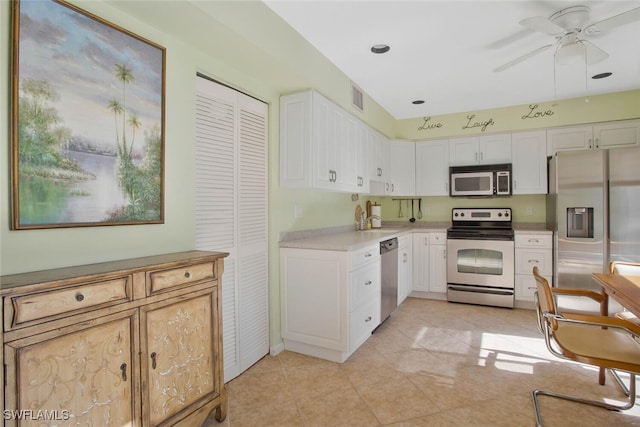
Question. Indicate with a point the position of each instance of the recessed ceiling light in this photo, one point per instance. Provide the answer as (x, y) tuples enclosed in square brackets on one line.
[(380, 48), (601, 76), (418, 102)]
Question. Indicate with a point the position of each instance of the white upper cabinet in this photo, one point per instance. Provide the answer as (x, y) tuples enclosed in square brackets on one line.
[(432, 168), (569, 138), (378, 146), (474, 150), (607, 135), (402, 162), (529, 157), (618, 134), (321, 145)]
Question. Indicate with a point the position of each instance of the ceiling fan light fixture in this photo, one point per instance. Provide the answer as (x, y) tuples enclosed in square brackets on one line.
[(380, 48), (570, 53)]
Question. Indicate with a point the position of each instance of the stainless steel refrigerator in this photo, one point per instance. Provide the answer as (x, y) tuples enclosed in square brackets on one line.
[(594, 208)]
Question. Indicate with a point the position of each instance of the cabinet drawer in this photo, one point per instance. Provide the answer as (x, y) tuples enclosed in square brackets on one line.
[(164, 280), (437, 238), (362, 322), (57, 302), (365, 285), (526, 259), (364, 255), (533, 240), (526, 286)]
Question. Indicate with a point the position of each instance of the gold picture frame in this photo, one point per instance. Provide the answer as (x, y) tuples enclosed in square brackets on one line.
[(88, 105)]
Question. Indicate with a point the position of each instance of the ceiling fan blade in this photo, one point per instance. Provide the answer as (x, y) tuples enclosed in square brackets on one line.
[(521, 58), (542, 25), (614, 21), (594, 53)]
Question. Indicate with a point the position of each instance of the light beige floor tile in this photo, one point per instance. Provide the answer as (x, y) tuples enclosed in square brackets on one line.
[(283, 414), (397, 401), (337, 409), (316, 380), (264, 387)]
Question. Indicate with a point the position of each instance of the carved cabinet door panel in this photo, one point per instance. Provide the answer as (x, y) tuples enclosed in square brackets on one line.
[(178, 355), (75, 377)]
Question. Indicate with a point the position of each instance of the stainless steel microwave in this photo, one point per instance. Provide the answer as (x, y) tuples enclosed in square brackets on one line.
[(480, 180)]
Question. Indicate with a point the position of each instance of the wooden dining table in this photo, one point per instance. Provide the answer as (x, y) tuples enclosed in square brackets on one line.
[(625, 290)]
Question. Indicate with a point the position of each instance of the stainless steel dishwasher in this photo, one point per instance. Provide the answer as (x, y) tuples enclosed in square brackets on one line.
[(389, 277)]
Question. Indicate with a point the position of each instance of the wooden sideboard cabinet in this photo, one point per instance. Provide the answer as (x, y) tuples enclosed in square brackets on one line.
[(132, 342)]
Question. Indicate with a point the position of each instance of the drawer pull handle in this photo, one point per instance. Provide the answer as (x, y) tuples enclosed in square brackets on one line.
[(368, 319), (533, 240), (534, 260), (367, 283), (79, 297), (367, 255), (153, 360), (123, 368), (187, 275)]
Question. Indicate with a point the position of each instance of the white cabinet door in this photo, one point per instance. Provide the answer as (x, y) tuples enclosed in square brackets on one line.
[(494, 149), (405, 267), (463, 151), (486, 149), (618, 134), (438, 268), (402, 157), (421, 262), (569, 138), (529, 152), (432, 168)]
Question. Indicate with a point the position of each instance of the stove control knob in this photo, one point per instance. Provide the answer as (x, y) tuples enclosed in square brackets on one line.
[(499, 214), (506, 214), (456, 214)]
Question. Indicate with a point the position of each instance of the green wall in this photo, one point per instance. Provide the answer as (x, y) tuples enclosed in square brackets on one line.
[(242, 44)]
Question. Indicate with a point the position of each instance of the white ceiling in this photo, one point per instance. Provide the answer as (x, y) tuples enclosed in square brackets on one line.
[(444, 52)]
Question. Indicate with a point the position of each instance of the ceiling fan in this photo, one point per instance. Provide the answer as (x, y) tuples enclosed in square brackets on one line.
[(568, 26)]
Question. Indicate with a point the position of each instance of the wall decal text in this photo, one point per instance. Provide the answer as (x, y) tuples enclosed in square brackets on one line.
[(532, 114), (482, 125), (427, 126)]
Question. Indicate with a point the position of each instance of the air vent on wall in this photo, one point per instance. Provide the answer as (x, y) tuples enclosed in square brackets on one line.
[(357, 97)]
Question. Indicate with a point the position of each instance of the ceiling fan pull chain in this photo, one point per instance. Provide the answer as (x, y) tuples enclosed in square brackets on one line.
[(586, 74)]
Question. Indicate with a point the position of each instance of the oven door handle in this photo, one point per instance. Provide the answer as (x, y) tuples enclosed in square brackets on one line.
[(479, 290)]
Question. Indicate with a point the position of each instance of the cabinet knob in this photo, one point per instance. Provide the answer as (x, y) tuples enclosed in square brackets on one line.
[(79, 297), (368, 319), (367, 283), (187, 274), (368, 254), (153, 360), (123, 369)]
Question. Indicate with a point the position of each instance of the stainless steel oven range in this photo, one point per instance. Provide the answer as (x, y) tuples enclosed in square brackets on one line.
[(480, 257)]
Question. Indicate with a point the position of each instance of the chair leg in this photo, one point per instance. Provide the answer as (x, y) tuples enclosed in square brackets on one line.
[(622, 385), (628, 405)]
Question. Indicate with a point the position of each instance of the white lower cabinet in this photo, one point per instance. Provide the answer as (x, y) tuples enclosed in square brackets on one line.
[(405, 267), (330, 300), (532, 250), (430, 262)]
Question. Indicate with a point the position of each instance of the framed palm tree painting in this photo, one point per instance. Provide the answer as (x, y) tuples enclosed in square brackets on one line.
[(87, 122)]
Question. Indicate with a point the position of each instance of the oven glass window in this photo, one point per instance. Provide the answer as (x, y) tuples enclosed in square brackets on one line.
[(480, 261)]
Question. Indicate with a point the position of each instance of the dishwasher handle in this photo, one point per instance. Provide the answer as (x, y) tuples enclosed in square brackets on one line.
[(388, 245)]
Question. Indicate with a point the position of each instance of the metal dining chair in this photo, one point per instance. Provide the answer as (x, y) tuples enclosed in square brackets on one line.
[(604, 342)]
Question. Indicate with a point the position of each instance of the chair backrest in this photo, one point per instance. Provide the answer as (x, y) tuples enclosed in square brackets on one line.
[(623, 267), (546, 303)]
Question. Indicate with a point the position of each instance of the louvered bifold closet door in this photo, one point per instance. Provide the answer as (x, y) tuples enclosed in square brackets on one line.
[(252, 231), (231, 214)]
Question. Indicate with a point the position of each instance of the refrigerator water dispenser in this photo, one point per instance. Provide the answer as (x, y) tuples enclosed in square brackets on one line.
[(580, 222)]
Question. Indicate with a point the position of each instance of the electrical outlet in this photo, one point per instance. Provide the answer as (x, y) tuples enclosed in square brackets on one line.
[(529, 211), (297, 212)]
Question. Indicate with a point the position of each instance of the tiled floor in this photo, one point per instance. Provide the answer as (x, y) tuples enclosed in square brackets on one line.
[(432, 363)]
